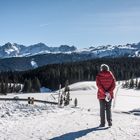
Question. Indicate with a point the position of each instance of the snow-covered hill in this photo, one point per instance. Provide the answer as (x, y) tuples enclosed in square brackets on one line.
[(45, 122), (16, 50)]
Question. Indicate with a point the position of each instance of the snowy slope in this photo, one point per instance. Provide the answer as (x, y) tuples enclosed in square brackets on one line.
[(46, 122), (34, 64)]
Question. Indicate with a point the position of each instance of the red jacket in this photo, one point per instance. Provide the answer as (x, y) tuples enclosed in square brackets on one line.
[(106, 83)]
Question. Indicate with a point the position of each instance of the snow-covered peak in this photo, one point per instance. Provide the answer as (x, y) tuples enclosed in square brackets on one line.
[(10, 47), (9, 50)]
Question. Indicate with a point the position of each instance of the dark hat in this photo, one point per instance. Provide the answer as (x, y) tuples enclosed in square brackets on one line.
[(104, 67)]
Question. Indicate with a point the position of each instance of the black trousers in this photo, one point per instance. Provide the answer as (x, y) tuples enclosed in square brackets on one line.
[(105, 107)]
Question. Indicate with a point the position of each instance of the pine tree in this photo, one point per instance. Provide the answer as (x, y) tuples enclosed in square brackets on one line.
[(131, 83), (13, 87), (68, 98), (17, 88), (138, 87), (2, 87), (126, 84), (36, 85), (136, 83), (27, 86), (10, 88), (6, 87)]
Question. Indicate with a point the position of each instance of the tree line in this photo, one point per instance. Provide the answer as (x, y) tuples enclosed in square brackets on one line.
[(51, 76), (6, 87), (29, 86)]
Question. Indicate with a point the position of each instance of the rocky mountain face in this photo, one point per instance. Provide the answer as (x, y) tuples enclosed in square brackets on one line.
[(15, 50)]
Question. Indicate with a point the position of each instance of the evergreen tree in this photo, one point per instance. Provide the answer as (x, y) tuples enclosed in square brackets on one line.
[(13, 87), (27, 86), (131, 83), (136, 83), (2, 88), (6, 87), (36, 85), (10, 88), (67, 100), (138, 87), (126, 84), (17, 88)]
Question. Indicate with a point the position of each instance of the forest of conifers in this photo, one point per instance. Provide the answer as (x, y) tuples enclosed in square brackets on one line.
[(51, 76)]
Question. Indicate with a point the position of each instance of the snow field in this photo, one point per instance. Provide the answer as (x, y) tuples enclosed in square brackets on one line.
[(18, 120)]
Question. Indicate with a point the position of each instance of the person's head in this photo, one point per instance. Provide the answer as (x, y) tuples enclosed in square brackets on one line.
[(104, 67)]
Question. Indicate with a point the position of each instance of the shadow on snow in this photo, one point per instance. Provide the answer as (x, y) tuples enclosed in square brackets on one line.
[(78, 134), (135, 112)]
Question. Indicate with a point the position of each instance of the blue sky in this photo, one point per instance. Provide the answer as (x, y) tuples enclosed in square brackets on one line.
[(82, 23)]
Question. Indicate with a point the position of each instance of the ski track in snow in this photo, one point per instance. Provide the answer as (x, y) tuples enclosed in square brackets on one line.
[(19, 121)]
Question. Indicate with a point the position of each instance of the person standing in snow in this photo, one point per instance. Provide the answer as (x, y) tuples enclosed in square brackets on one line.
[(105, 82)]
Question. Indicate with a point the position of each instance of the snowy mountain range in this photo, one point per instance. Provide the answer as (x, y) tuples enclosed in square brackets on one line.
[(15, 50), (17, 57)]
